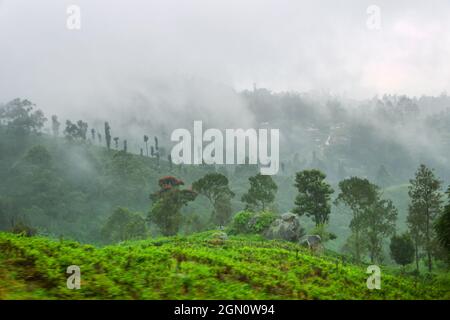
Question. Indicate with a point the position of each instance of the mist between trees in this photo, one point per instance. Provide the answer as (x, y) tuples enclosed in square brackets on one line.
[(86, 183)]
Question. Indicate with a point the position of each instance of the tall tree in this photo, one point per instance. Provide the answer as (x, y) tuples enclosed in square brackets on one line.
[(214, 186), (20, 117), (146, 143), (156, 144), (124, 225), (157, 158), (75, 131), (359, 195), (379, 223), (261, 193), (442, 228), (402, 249), (313, 199), (167, 202), (108, 135), (93, 134), (82, 128), (425, 206), (55, 125), (169, 158)]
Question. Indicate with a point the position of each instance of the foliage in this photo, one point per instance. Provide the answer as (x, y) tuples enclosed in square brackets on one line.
[(314, 196), (442, 227), (55, 125), (379, 223), (261, 221), (21, 118), (402, 249), (76, 131), (214, 186), (425, 206), (108, 135), (248, 222), (168, 201), (325, 235), (241, 221), (22, 228), (261, 193), (124, 225), (39, 156), (192, 268), (373, 217)]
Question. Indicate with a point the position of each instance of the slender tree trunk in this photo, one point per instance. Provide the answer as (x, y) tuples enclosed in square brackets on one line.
[(357, 246), (372, 253), (430, 261), (416, 248)]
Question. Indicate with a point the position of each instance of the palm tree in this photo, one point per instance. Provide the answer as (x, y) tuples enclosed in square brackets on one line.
[(146, 143)]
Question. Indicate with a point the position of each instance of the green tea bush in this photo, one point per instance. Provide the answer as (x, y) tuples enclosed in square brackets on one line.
[(247, 222), (23, 229), (244, 267), (240, 222), (261, 221)]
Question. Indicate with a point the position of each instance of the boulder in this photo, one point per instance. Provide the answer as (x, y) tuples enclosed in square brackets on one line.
[(313, 242), (286, 227)]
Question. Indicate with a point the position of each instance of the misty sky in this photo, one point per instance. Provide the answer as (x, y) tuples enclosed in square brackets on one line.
[(131, 49)]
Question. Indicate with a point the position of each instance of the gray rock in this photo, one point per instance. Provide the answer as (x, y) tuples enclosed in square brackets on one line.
[(286, 227), (311, 241)]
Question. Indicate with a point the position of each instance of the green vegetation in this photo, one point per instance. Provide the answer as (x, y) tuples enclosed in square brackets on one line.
[(261, 193), (124, 225), (402, 249), (214, 186), (192, 267), (248, 222), (81, 188), (373, 217), (168, 201), (314, 196), (442, 227), (425, 207)]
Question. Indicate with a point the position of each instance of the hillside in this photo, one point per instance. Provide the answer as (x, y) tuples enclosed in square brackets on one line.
[(195, 267), (69, 189)]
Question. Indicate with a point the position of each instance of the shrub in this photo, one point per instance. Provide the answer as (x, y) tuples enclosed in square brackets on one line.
[(402, 249), (252, 222), (124, 225), (261, 221), (240, 222), (23, 229)]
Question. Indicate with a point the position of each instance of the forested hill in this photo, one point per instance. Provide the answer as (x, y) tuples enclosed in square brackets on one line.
[(90, 188), (70, 188)]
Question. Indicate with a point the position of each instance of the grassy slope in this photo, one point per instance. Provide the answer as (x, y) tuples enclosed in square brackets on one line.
[(191, 267)]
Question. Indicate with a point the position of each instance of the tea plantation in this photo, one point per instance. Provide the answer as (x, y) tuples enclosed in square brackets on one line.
[(200, 266)]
